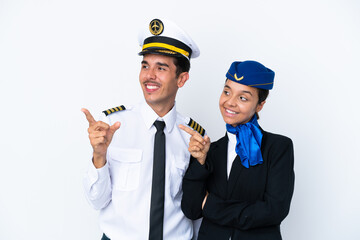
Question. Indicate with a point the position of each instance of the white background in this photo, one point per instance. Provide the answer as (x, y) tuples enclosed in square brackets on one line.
[(59, 56)]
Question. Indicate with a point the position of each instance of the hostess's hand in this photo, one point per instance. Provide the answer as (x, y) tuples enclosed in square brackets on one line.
[(204, 201), (198, 146), (100, 135)]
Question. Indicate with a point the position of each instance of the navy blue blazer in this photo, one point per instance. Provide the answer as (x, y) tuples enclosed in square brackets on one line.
[(251, 204)]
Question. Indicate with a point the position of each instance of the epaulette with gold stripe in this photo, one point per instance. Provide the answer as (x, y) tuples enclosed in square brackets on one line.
[(115, 109), (194, 125)]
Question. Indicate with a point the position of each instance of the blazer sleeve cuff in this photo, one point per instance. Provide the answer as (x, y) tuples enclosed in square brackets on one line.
[(196, 171)]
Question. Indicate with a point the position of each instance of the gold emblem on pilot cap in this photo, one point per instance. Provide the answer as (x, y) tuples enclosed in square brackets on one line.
[(156, 27)]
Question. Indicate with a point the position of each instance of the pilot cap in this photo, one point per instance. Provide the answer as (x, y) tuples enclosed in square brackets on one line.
[(166, 38)]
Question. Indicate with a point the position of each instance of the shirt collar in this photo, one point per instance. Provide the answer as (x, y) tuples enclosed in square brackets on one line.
[(150, 116), (232, 137)]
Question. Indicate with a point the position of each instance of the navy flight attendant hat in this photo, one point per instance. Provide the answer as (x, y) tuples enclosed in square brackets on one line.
[(252, 74), (166, 38)]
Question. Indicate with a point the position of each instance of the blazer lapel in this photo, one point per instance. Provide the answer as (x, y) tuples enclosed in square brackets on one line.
[(220, 166), (234, 175)]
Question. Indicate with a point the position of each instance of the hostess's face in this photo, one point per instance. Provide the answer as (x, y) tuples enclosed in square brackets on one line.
[(158, 80), (238, 103)]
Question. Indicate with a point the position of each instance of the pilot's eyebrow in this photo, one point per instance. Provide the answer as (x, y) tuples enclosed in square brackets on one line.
[(162, 64)]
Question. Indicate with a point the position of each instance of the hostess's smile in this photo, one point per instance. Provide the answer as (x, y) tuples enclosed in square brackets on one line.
[(230, 113)]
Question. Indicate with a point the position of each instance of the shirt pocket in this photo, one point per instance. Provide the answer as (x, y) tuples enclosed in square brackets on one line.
[(179, 165), (125, 167)]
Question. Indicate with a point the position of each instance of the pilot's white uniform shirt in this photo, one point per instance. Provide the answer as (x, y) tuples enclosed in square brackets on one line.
[(121, 190)]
